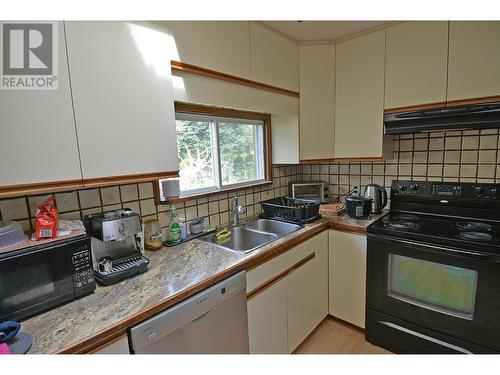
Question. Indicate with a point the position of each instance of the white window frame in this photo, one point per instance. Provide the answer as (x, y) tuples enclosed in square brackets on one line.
[(259, 142)]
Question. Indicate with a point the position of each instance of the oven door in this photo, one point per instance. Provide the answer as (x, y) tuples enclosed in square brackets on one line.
[(449, 291), (33, 280)]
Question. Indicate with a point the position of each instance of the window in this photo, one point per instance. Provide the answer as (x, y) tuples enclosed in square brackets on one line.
[(222, 150)]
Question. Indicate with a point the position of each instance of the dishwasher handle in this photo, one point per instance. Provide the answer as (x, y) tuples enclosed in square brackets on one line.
[(188, 311)]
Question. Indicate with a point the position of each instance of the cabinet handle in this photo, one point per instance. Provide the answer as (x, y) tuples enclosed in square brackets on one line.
[(279, 276)]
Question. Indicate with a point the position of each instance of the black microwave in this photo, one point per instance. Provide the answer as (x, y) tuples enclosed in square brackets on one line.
[(37, 278)]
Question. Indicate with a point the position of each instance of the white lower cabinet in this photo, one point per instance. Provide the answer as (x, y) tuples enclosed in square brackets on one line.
[(119, 346), (307, 288), (347, 276), (288, 297)]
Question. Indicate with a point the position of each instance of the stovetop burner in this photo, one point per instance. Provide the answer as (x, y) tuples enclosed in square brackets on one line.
[(473, 226), (475, 236), (402, 225)]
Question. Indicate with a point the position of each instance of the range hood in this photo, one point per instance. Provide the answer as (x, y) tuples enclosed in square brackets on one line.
[(476, 116)]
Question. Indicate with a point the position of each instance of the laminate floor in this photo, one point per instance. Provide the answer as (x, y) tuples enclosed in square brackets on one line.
[(335, 337)]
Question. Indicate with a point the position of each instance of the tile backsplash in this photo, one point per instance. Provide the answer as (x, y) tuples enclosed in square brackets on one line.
[(467, 156), (140, 198)]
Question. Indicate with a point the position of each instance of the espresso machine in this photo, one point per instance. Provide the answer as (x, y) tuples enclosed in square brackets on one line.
[(116, 243)]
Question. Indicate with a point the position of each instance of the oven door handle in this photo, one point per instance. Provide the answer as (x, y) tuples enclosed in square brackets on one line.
[(450, 250)]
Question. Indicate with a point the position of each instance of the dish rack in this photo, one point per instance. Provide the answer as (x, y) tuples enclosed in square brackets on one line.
[(291, 209)]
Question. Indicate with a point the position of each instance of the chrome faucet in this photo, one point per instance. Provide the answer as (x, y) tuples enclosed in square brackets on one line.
[(236, 211)]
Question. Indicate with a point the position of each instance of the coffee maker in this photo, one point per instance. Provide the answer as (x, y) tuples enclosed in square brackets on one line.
[(116, 245)]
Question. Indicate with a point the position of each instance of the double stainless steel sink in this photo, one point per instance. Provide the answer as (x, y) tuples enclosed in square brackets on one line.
[(252, 235)]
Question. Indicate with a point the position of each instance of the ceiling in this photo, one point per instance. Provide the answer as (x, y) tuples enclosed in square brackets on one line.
[(305, 31)]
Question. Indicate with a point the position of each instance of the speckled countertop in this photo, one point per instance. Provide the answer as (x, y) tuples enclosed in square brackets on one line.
[(175, 274)]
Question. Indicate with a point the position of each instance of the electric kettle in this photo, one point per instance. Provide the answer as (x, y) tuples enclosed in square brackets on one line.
[(378, 196)]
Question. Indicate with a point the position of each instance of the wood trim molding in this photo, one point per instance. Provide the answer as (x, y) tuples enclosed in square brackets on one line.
[(39, 188), (279, 276), (315, 161), (451, 103), (337, 160), (131, 178), (195, 69)]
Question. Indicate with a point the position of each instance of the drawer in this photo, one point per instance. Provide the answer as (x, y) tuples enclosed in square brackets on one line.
[(306, 248), (265, 272)]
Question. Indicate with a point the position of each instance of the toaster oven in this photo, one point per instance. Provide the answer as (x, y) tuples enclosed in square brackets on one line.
[(312, 190)]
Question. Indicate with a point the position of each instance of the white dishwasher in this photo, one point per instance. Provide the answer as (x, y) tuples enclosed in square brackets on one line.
[(214, 321)]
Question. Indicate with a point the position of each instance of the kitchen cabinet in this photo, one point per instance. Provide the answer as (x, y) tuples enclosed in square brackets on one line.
[(347, 276), (317, 101), (474, 58), (267, 310), (220, 46), (274, 58), (285, 139), (119, 346), (288, 297), (122, 95), (307, 288), (416, 64), (359, 97), (38, 141)]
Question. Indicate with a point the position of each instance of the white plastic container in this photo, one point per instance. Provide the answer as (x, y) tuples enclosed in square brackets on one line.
[(11, 233)]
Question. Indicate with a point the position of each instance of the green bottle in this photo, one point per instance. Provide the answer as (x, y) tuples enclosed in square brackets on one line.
[(175, 229)]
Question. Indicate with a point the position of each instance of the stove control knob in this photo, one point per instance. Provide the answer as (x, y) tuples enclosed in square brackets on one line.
[(479, 189), (123, 229), (403, 187), (414, 187)]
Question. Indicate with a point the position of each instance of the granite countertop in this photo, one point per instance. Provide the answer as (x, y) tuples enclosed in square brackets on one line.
[(175, 274)]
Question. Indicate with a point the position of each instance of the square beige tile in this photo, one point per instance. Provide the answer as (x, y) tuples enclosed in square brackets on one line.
[(404, 170), (405, 157), (147, 207), (129, 193), (34, 203), (213, 207), (146, 190), (487, 156), (470, 143), (451, 170), (468, 170), (334, 179), (488, 142), (325, 168), (437, 134), (14, 209), (191, 202), (91, 211), (435, 170), (89, 198), (436, 156), (202, 200), (191, 212), (214, 220), (469, 157), (421, 144), (334, 168), (355, 169), (134, 206), (406, 145), (67, 201), (452, 157), (366, 169), (436, 144), (379, 180), (112, 207), (453, 143), (486, 171), (420, 157), (203, 210), (110, 195), (344, 169), (73, 215), (366, 180), (165, 219), (391, 170), (419, 170), (378, 169), (453, 133)]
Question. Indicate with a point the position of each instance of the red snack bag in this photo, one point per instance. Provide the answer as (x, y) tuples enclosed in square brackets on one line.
[(47, 220)]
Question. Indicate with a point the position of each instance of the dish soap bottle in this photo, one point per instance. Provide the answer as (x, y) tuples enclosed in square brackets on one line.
[(175, 229)]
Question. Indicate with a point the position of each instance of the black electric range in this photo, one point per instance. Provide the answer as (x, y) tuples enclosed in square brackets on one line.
[(433, 269)]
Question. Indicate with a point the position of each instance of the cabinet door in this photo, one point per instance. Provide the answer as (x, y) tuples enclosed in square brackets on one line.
[(307, 288), (359, 97), (317, 102), (38, 137), (274, 58), (122, 94), (474, 60), (119, 346), (416, 64), (220, 46), (347, 271), (267, 308), (285, 139)]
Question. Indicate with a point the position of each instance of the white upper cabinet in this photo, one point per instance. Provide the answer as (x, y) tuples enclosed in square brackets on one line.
[(359, 97), (220, 46), (38, 139), (123, 99), (274, 58), (474, 67), (285, 139), (317, 102), (416, 64)]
